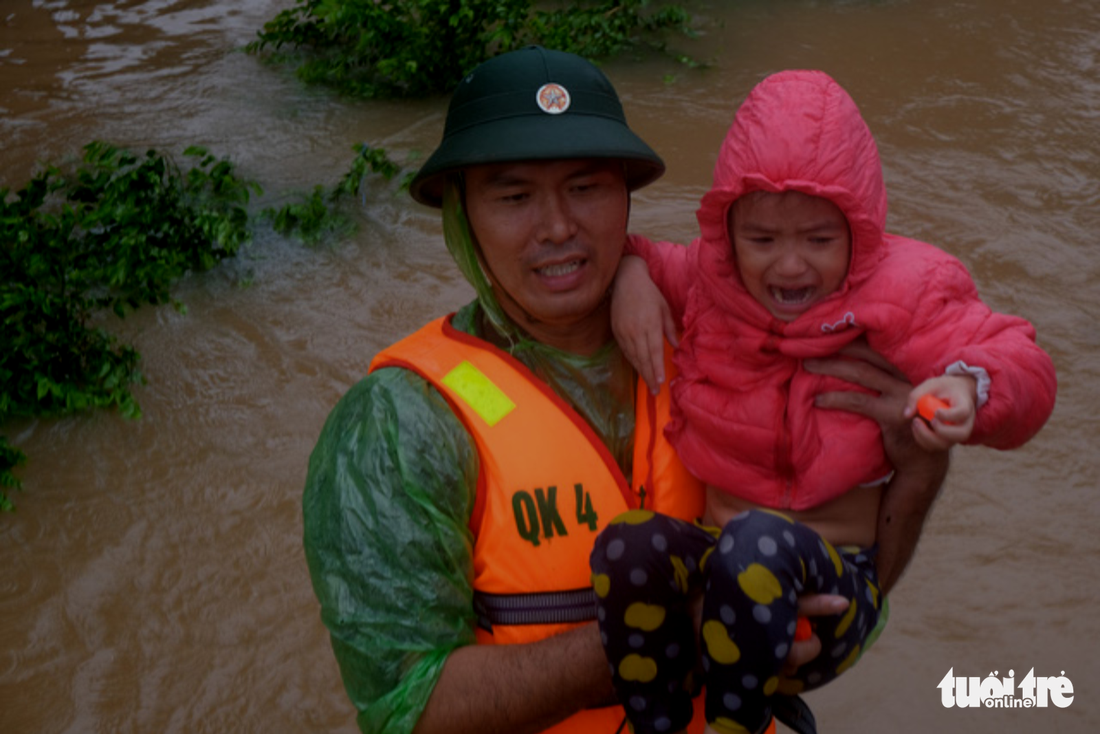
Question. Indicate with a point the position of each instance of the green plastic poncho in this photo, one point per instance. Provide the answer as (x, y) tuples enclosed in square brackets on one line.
[(388, 497)]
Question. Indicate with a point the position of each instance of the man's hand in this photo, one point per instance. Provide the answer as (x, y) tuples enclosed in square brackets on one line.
[(918, 474), (812, 605), (887, 406)]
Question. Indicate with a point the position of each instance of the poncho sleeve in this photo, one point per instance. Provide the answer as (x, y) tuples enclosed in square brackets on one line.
[(388, 495)]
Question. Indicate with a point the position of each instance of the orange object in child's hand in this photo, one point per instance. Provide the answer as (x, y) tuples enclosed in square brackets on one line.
[(928, 405), (803, 630)]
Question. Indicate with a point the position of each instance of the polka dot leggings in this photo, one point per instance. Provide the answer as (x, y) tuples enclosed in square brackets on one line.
[(645, 569)]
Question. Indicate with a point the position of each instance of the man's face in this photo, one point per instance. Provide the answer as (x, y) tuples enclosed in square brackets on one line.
[(551, 234), (792, 249)]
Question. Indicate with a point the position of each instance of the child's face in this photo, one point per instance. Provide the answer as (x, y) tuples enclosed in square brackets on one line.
[(792, 249)]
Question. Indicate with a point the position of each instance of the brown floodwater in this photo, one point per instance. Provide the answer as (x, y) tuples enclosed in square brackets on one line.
[(153, 576)]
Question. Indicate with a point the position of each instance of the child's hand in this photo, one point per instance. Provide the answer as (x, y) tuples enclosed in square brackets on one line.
[(641, 319), (954, 421)]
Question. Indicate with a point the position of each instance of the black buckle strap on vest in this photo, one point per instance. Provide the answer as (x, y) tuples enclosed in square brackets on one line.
[(548, 607)]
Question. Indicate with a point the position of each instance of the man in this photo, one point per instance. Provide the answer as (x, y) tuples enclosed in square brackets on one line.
[(454, 494)]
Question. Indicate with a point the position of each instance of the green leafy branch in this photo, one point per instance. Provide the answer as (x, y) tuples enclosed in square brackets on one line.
[(414, 48), (112, 235), (318, 215)]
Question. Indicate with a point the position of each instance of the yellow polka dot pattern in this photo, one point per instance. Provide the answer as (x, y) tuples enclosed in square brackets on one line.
[(770, 686), (719, 645), (763, 601), (835, 557), (846, 620), (680, 573), (874, 594), (722, 725), (706, 556), (759, 584), (601, 582), (791, 686), (645, 617), (636, 668), (849, 661), (777, 514), (633, 517)]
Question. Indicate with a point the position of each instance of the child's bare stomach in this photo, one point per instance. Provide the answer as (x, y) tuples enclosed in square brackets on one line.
[(850, 519)]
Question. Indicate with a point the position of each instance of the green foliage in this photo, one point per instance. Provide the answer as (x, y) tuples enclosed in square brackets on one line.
[(310, 219), (608, 28), (318, 216), (110, 236), (367, 160), (408, 48), (10, 457)]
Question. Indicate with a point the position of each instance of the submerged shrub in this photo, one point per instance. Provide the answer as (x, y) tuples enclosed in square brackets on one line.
[(317, 215), (411, 48), (110, 236)]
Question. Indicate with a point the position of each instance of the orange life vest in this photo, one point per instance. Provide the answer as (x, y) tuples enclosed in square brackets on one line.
[(547, 486)]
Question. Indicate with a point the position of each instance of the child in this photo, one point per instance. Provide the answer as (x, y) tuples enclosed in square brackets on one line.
[(792, 263)]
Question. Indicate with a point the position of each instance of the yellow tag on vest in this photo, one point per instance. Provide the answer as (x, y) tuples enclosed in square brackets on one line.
[(479, 392)]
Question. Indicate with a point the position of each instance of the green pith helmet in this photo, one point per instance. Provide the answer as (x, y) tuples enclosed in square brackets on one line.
[(534, 104)]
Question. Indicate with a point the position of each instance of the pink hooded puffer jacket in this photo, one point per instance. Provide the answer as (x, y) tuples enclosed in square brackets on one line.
[(744, 418)]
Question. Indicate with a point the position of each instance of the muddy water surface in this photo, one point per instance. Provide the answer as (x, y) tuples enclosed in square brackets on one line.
[(153, 576)]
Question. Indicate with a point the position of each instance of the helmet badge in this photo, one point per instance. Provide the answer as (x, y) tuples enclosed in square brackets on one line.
[(553, 99)]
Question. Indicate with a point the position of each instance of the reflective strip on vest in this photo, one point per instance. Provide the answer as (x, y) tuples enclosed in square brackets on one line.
[(553, 607), (479, 392)]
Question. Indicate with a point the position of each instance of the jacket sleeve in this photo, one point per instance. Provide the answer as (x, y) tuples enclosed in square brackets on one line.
[(671, 266), (953, 331), (388, 496)]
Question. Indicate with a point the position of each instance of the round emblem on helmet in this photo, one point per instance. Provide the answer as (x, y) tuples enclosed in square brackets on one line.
[(553, 99)]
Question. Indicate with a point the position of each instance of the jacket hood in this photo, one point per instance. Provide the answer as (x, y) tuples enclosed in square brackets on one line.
[(796, 131)]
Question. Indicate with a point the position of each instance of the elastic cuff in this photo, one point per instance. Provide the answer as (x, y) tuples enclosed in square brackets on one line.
[(978, 373)]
